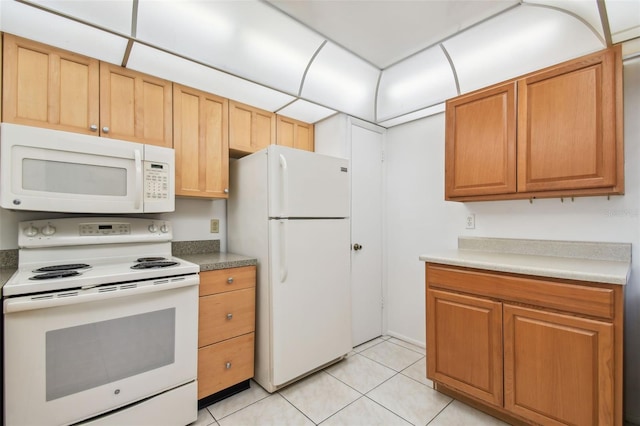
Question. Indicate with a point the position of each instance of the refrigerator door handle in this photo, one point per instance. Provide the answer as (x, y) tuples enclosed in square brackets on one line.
[(284, 193), (284, 267)]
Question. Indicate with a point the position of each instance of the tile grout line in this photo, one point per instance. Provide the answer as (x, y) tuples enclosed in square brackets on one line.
[(299, 410), (440, 412)]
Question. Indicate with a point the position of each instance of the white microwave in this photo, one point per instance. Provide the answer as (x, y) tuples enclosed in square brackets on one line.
[(51, 170)]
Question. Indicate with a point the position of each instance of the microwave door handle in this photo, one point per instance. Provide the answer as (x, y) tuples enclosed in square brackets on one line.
[(138, 160)]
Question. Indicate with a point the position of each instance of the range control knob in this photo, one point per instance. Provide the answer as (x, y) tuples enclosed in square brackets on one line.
[(153, 228), (164, 229), (30, 231), (48, 230)]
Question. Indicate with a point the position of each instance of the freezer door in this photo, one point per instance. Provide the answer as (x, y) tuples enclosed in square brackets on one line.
[(311, 295), (307, 184)]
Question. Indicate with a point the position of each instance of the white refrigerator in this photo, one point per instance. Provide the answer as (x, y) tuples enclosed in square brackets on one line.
[(290, 209)]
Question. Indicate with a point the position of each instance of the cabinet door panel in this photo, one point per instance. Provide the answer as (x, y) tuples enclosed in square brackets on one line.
[(135, 106), (294, 133), (49, 87), (566, 127), (558, 368), (464, 344), (250, 129), (201, 143), (481, 143)]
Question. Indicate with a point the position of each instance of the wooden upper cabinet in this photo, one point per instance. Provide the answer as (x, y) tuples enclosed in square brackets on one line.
[(201, 143), (250, 129), (552, 133), (135, 106), (567, 126), (481, 143), (294, 133), (49, 87)]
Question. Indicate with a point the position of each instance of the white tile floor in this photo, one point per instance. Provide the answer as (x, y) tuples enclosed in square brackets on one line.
[(381, 382)]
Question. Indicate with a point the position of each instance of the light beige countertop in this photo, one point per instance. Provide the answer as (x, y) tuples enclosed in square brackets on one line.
[(584, 261)]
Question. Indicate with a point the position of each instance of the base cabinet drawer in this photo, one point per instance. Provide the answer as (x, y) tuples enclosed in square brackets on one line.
[(222, 280), (224, 364), (226, 315)]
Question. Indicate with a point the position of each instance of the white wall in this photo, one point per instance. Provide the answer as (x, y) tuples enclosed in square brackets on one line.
[(419, 220), (190, 220)]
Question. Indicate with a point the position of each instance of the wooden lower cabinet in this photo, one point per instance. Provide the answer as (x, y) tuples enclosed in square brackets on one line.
[(527, 349), (467, 337), (224, 364), (558, 369), (226, 329)]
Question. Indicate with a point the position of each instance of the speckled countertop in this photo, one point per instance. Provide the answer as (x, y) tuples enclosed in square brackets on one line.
[(584, 261), (207, 254), (212, 261), (8, 264)]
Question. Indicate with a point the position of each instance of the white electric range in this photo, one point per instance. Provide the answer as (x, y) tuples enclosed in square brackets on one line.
[(100, 325)]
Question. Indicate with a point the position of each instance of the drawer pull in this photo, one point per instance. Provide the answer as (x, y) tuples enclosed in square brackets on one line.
[(229, 316), (230, 280), (227, 365)]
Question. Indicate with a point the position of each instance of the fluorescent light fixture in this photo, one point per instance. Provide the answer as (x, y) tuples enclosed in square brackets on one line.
[(306, 111), (421, 80), (35, 24), (538, 37), (585, 10), (174, 68), (416, 115), (340, 80), (114, 15), (624, 19), (246, 38)]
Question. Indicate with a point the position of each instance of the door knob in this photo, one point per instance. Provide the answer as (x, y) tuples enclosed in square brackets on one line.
[(357, 247)]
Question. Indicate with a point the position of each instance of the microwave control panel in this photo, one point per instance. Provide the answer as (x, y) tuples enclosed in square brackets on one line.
[(156, 181)]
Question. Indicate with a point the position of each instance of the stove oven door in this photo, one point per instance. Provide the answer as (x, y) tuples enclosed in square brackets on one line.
[(74, 355)]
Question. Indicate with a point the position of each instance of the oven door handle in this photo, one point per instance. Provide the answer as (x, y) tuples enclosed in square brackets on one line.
[(105, 292)]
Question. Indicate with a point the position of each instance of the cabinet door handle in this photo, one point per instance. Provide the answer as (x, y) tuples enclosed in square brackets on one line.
[(227, 365), (229, 316), (93, 128), (230, 280), (105, 129)]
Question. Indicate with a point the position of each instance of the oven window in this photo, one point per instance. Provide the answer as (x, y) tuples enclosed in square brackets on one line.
[(73, 178), (86, 356)]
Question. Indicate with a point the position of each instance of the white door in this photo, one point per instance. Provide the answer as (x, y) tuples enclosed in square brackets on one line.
[(310, 295), (366, 233)]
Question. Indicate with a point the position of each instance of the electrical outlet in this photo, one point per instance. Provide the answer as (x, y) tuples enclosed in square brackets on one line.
[(215, 226), (471, 221)]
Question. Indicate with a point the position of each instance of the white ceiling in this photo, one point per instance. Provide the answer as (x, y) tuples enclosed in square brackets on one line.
[(384, 32), (383, 61)]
